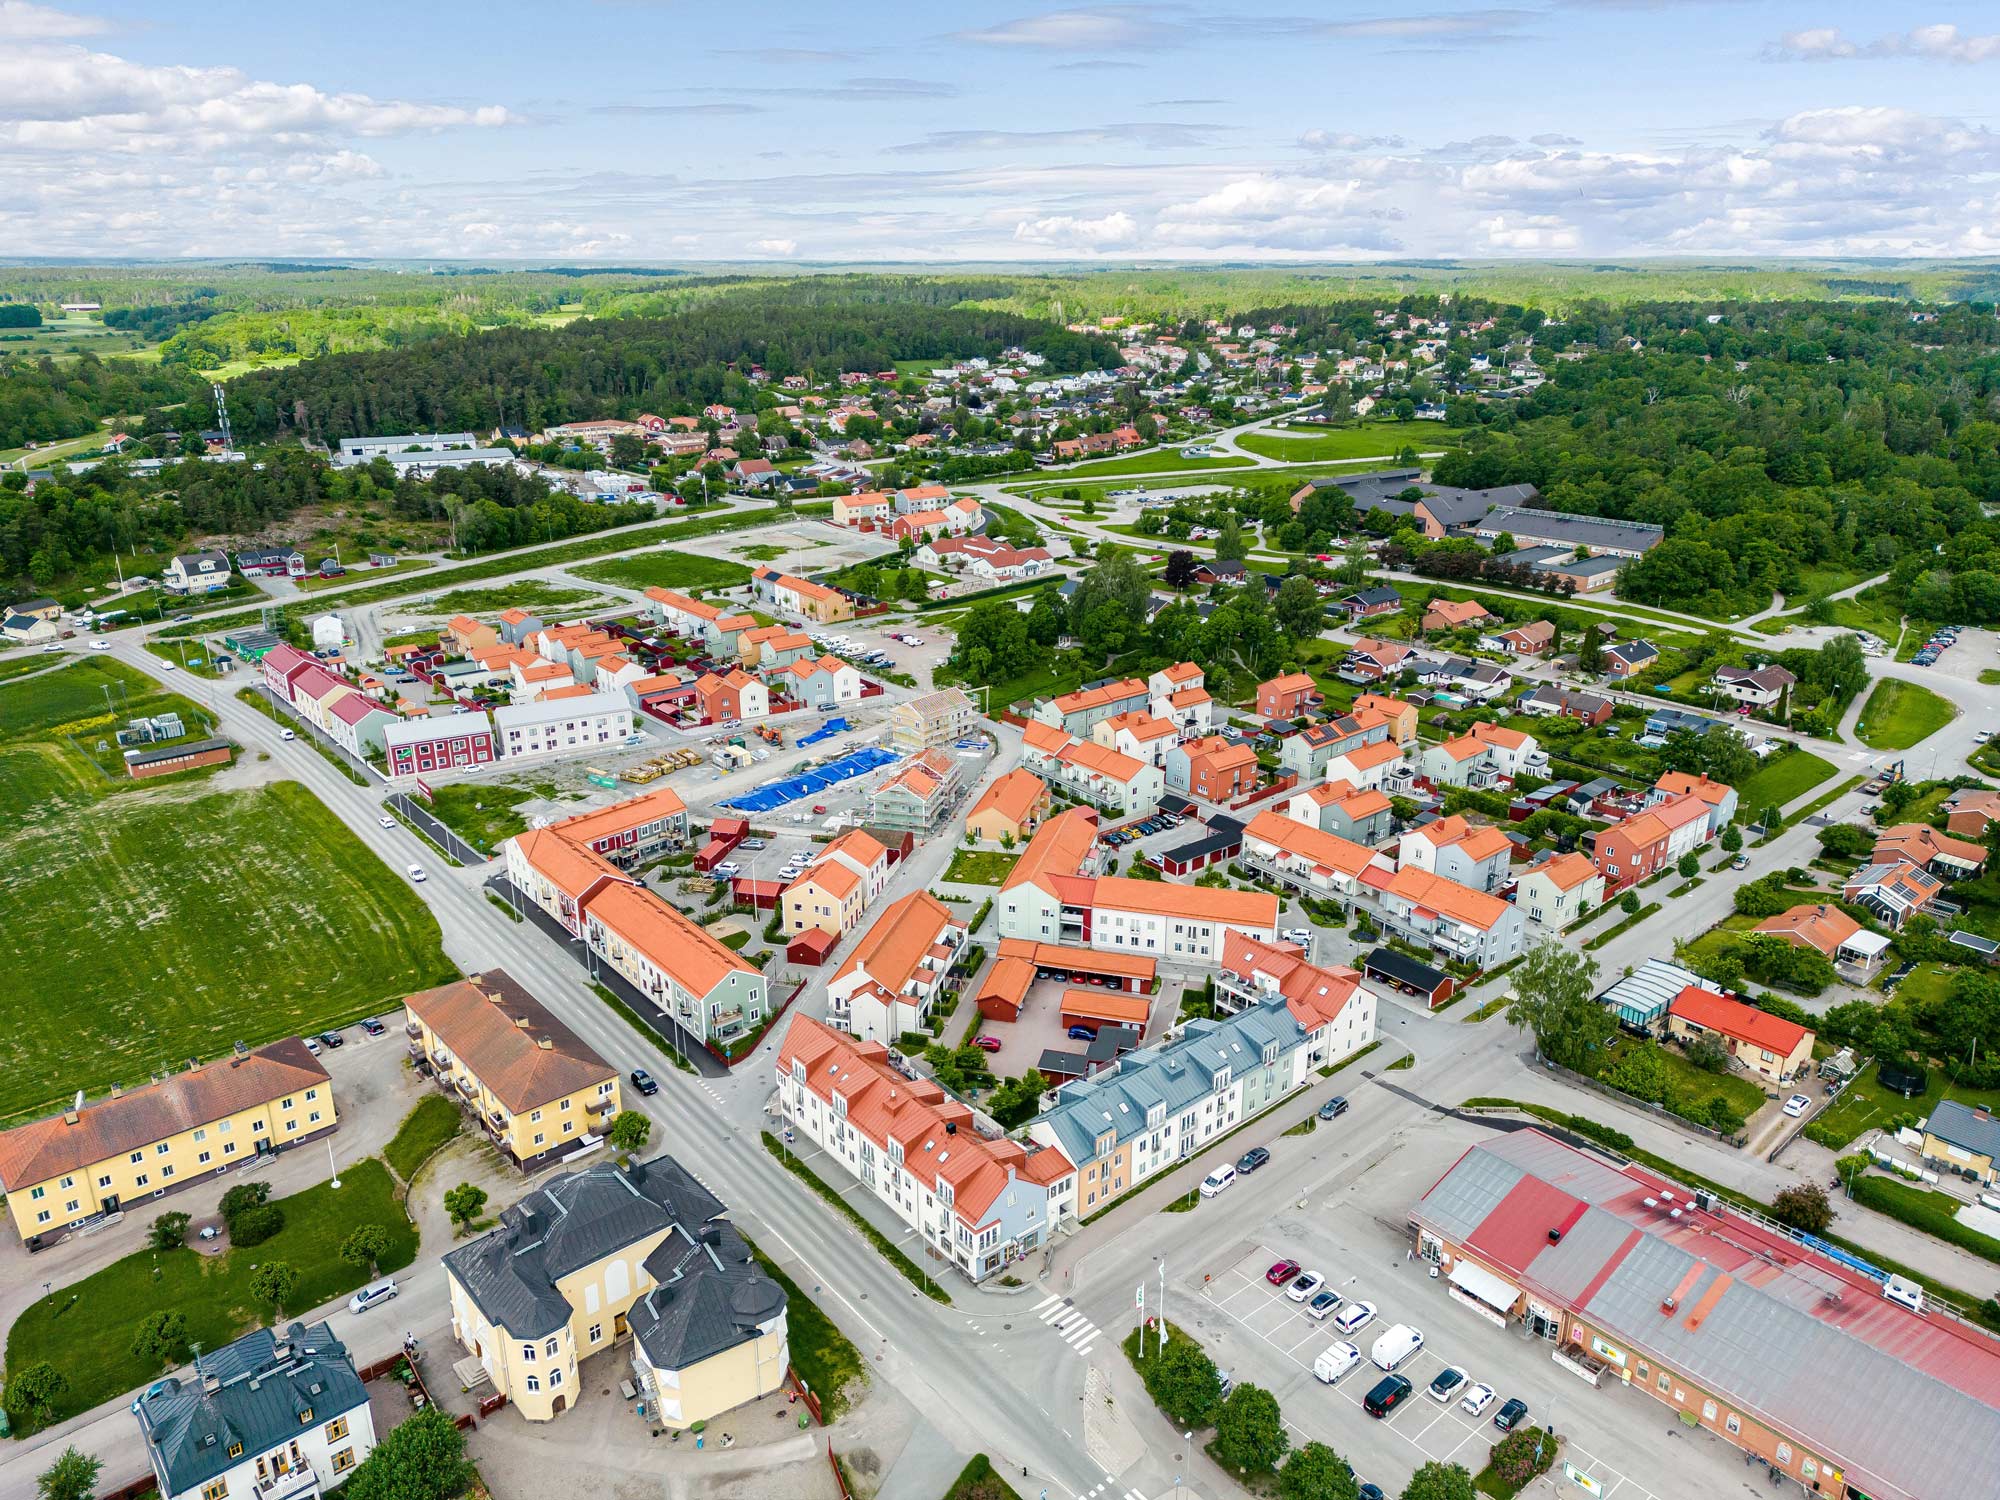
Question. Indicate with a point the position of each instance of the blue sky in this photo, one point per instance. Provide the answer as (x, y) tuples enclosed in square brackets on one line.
[(650, 130)]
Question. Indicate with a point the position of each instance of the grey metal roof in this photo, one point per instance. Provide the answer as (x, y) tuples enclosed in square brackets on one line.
[(252, 1395), (1963, 1126), (1651, 989), (571, 1222), (1571, 530)]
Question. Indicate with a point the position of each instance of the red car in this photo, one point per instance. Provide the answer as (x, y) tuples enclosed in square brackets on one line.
[(1282, 1272), (819, 807), (987, 1043)]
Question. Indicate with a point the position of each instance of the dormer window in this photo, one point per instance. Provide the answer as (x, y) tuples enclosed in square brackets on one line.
[(305, 1416), (235, 1450)]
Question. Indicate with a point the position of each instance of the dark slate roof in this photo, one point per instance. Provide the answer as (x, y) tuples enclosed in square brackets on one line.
[(175, 752), (1965, 1127), (711, 1296), (1383, 595), (571, 1222), (1404, 969), (256, 1393)]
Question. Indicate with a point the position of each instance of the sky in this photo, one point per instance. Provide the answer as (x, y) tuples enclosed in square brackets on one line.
[(644, 131)]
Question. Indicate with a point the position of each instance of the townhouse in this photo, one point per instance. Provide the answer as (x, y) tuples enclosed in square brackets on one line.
[(1009, 810), (801, 596), (314, 693), (1401, 717), (837, 887), (358, 725), (770, 647), (1339, 807), (1772, 1048), (1733, 1325), (534, 1087), (737, 697), (1211, 769), (1179, 695), (1091, 773), (136, 1144), (1655, 840), (1048, 898), (822, 682), (1080, 712), (623, 1254), (271, 562), (1376, 767), (979, 1203), (278, 1414), (1152, 1109), (1139, 735), (1306, 753), (916, 795), (281, 667), (629, 833), (897, 970), (443, 742), (1450, 919), (1301, 856), (679, 966), (463, 636), (1560, 890), (717, 629), (869, 506), (1718, 797), (554, 725), (930, 720), (1474, 855)]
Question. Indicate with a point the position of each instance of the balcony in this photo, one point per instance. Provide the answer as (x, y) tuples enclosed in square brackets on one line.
[(300, 1484), (466, 1086), (413, 1028)]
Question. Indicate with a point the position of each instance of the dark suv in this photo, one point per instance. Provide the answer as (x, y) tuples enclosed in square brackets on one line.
[(1389, 1393), (1252, 1159)]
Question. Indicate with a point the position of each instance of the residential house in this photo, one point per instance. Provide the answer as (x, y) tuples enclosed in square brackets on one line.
[(1454, 614), (1175, 679), (196, 573), (917, 794), (1301, 856), (1474, 855), (772, 647), (1717, 796), (1401, 717), (1451, 919), (1560, 890), (1080, 712), (1893, 891), (28, 629), (1374, 661), (1970, 812), (930, 720), (1306, 753), (636, 831), (558, 726), (897, 969), (1152, 1109), (1772, 1048), (358, 724), (1760, 687), (464, 636), (1138, 735), (1211, 769), (1549, 700), (1365, 604), (1339, 807), (801, 596), (1852, 949), (679, 966), (517, 625), (1942, 855), (837, 887), (1010, 810), (1480, 681), (620, 1251), (868, 506), (1287, 697), (824, 682), (1964, 1136), (537, 1089), (136, 1144), (1655, 840), (1532, 638), (278, 1414), (1190, 710), (1376, 767), (985, 559), (737, 697), (444, 742), (980, 1204), (271, 562), (314, 693), (1629, 658)]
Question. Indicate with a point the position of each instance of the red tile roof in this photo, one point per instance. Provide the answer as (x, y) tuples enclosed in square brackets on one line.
[(1733, 1018)]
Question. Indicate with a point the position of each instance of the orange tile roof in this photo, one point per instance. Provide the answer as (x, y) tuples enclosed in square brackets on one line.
[(604, 822), (896, 943), (683, 603), (858, 845), (1389, 707), (1684, 783), (464, 625), (571, 868), (1119, 1006), (1097, 697), (1290, 682), (1495, 734), (1046, 738), (1141, 725), (1181, 671), (1367, 757), (727, 623), (1733, 1018), (509, 1040), (1199, 903), (543, 672), (1189, 697), (1456, 611), (1013, 796), (1448, 898), (1059, 847), (1103, 761), (33, 1153), (1314, 995), (835, 878), (1465, 747), (1920, 844), (1566, 871), (571, 690), (1308, 842), (667, 938), (1813, 926)]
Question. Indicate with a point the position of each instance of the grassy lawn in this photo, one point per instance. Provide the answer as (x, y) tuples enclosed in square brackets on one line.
[(312, 583), (1899, 714), (526, 593), (668, 570), (1779, 780), (86, 1328), (980, 866), (978, 1481), (1866, 1105), (211, 917), (481, 814), (1365, 440), (434, 1121), (1168, 462)]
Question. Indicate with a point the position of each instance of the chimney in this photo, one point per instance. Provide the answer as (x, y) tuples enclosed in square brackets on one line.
[(1556, 1236), (69, 1117), (1668, 1304), (117, 1092)]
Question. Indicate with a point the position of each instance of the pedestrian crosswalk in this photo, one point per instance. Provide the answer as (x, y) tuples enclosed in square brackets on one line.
[(1107, 1489), (1071, 1326)]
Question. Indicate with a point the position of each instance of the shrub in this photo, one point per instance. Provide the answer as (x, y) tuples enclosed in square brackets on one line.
[(255, 1225), (1512, 1460), (1803, 1206), (169, 1231)]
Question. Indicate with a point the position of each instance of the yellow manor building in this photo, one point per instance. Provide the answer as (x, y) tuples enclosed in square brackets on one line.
[(536, 1087), (620, 1253), (142, 1143)]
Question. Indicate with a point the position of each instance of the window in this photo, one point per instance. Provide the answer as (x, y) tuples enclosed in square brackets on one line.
[(284, 1104), (136, 1156), (42, 1217), (1733, 1423), (215, 1489), (202, 1159), (336, 1429), (235, 1450), (305, 1417), (229, 1148), (311, 1094), (1663, 1382), (1784, 1455), (539, 1137), (166, 1171), (596, 1333), (535, 1116), (555, 1379), (70, 1181), (141, 1180), (1708, 1411), (104, 1181), (528, 1353), (256, 1126), (70, 1207), (551, 1347), (36, 1194), (343, 1460), (291, 1124), (534, 1383)]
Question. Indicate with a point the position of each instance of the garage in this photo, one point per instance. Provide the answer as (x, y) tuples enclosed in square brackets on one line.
[(1099, 1008)]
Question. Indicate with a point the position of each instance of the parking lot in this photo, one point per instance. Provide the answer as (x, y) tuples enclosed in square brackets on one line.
[(1040, 1026)]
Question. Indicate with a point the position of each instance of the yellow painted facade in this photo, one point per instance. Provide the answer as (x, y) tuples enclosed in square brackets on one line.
[(547, 1127), (805, 903)]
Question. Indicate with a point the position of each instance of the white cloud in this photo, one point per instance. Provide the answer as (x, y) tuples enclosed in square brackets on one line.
[(1529, 234), (1107, 28), (21, 21), (1939, 43), (779, 249), (1066, 231), (1347, 140)]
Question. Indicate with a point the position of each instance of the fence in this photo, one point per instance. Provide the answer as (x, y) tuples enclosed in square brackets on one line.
[(1657, 1111)]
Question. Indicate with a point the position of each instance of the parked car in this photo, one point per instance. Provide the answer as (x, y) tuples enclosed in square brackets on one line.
[(333, 1039), (1797, 1105), (1447, 1383), (1511, 1415), (1741, 862), (1334, 1108), (1282, 1272), (987, 1043), (286, 734), (1324, 1304), (416, 873), (372, 1026), (1080, 1034), (100, 645), (1305, 1286), (1477, 1399), (729, 867), (1252, 1159), (312, 1045), (645, 1082), (1389, 1393), (1355, 1317), (1217, 1181), (369, 1296)]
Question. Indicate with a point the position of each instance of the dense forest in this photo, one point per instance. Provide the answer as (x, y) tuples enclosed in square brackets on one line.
[(43, 399), (620, 367)]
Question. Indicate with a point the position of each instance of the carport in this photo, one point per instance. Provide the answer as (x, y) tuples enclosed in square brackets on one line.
[(1132, 972), (1100, 1008), (1433, 986)]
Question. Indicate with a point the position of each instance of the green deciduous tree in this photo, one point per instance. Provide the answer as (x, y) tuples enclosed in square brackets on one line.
[(1440, 1481), (1250, 1431), (169, 1231), (1803, 1206), (1688, 865), (630, 1131), (1554, 997), (422, 1458), (1183, 1381), (465, 1203), (73, 1476), (161, 1337), (273, 1282), (1316, 1472), (365, 1245), (34, 1394)]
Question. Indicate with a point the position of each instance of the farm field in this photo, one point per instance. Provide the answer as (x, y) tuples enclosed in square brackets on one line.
[(131, 954)]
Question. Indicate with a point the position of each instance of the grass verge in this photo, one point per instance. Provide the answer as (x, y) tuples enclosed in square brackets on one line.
[(979, 1481), (422, 1135), (1630, 922), (911, 1271), (1899, 714), (828, 1363)]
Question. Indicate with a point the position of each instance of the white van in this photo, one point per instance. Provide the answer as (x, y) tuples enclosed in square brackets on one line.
[(1217, 1180), (1335, 1361), (1396, 1346), (368, 1296)]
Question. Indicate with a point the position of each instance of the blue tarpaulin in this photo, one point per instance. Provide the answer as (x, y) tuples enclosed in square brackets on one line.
[(825, 731), (778, 793)]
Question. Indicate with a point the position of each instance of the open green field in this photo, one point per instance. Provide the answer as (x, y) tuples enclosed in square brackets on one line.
[(85, 1329), (1900, 714), (312, 583), (1779, 781), (147, 923), (668, 569), (1166, 462), (1364, 440), (525, 593), (482, 814)]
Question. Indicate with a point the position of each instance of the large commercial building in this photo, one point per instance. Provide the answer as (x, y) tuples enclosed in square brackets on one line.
[(630, 1254), (1729, 1322)]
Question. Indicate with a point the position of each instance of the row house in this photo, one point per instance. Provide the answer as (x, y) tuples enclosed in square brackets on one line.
[(636, 831), (1302, 857), (737, 697), (359, 724), (1139, 735), (870, 507), (930, 720), (1339, 807), (1306, 753), (1487, 755), (844, 879), (1212, 769), (1190, 710), (897, 970), (1560, 890), (1376, 767), (675, 963), (1010, 809), (1473, 855), (822, 681), (771, 647), (555, 725), (981, 1204), (1651, 841), (1092, 773), (462, 635), (801, 596), (1080, 712), (441, 742), (1718, 797), (1401, 717)]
